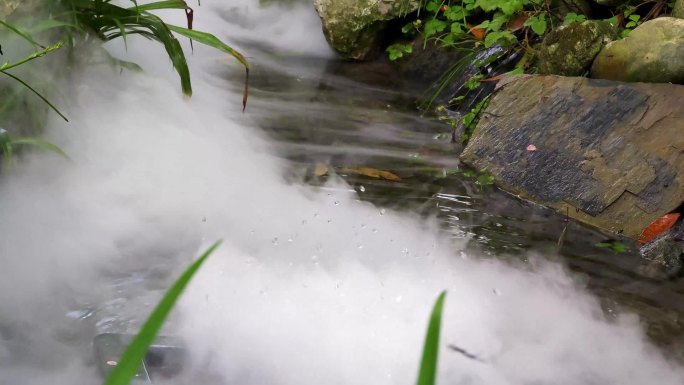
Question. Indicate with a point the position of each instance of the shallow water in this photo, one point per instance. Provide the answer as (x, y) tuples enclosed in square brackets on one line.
[(352, 115), (317, 280)]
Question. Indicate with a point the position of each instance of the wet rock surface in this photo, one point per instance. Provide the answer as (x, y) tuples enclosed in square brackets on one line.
[(606, 153), (570, 49), (352, 27), (653, 52)]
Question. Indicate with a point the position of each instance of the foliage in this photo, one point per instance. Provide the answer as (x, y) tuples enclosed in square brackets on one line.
[(397, 51), (510, 22), (130, 360), (77, 21), (108, 21), (482, 180), (452, 21), (427, 373), (8, 144), (572, 17), (471, 118), (616, 247)]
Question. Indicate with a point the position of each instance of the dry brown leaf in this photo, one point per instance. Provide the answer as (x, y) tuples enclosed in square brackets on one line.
[(320, 169), (371, 172)]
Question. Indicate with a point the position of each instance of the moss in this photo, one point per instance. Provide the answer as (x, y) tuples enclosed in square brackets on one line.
[(569, 50)]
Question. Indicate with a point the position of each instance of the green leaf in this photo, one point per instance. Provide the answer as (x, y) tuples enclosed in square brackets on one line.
[(22, 34), (572, 17), (537, 23), (210, 40), (43, 98), (613, 21), (171, 4), (34, 55), (502, 37), (511, 7), (130, 360), (428, 363), (213, 41), (485, 180), (45, 145), (397, 51), (433, 26), (488, 5), (433, 6)]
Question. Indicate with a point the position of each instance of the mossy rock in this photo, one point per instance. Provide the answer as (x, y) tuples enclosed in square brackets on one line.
[(678, 10), (353, 27), (570, 49), (652, 53)]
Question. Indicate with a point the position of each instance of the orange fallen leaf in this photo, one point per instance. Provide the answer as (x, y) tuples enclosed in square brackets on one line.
[(658, 227), (371, 172), (479, 33)]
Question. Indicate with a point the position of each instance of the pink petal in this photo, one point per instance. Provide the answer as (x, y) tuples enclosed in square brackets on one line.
[(531, 147)]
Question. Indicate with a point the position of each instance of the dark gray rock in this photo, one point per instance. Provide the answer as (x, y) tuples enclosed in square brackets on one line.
[(609, 154), (570, 49)]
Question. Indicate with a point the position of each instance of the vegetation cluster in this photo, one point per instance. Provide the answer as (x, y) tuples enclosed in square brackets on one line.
[(72, 25)]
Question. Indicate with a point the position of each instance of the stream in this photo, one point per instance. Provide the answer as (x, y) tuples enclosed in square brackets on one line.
[(327, 272)]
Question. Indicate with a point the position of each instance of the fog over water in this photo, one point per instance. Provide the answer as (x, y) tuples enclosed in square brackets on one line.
[(310, 286)]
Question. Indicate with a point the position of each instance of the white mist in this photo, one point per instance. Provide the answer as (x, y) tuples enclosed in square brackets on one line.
[(309, 286)]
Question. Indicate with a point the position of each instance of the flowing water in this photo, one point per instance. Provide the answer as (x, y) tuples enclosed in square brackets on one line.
[(325, 275)]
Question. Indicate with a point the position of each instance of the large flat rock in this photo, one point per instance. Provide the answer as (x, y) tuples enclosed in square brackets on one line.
[(607, 153)]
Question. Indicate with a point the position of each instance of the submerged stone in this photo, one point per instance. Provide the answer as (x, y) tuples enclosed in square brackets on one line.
[(570, 49), (653, 52), (607, 153), (352, 27)]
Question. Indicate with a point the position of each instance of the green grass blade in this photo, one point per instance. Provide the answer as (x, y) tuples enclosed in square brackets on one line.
[(428, 363), (130, 360), (170, 4), (37, 93), (33, 56), (210, 40), (45, 145), (38, 26), (21, 33), (213, 41)]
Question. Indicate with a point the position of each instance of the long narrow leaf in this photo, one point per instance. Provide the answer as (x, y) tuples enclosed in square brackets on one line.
[(213, 41), (37, 93), (45, 145), (130, 360), (170, 4), (33, 56), (428, 362), (23, 34), (210, 40)]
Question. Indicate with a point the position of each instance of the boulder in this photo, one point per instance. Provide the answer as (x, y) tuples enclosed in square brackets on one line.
[(609, 154), (653, 52), (678, 10), (570, 49), (352, 27)]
